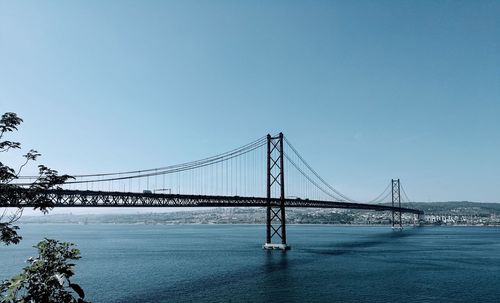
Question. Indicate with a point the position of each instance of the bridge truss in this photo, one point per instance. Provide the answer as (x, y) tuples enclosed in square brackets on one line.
[(84, 198)]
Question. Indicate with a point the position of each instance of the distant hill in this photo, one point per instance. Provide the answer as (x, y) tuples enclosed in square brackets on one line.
[(456, 207), (489, 212)]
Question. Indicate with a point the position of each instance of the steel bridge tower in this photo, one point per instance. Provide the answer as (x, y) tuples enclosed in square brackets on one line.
[(397, 221), (275, 213)]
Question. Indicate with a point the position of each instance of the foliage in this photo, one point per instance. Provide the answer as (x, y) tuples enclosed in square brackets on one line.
[(47, 277), (12, 194)]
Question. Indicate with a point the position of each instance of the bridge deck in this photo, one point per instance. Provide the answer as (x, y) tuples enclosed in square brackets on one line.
[(79, 198)]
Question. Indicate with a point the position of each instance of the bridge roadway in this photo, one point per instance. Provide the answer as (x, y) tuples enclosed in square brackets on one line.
[(84, 198)]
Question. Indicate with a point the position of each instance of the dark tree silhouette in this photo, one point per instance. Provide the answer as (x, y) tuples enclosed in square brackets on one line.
[(47, 277), (11, 194)]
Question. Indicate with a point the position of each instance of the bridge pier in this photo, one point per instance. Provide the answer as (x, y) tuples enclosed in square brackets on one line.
[(421, 219), (275, 213), (397, 219)]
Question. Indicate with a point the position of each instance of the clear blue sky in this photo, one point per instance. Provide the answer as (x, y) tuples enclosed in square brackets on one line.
[(366, 90)]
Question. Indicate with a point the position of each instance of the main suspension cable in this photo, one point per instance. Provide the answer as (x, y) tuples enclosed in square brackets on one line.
[(316, 174), (168, 169)]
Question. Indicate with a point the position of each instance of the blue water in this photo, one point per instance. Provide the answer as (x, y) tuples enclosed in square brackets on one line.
[(225, 263)]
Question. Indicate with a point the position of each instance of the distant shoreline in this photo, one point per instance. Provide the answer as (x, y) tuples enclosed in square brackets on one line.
[(256, 224)]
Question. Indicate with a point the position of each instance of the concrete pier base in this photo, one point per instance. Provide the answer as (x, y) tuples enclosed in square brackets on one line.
[(272, 246)]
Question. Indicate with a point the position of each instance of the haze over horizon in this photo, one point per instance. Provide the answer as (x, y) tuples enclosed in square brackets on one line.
[(366, 91)]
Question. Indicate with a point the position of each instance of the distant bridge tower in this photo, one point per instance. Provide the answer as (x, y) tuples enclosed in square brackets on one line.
[(275, 215), (421, 219), (397, 221)]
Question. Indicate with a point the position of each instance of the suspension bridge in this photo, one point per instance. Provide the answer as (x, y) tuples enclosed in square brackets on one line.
[(252, 175)]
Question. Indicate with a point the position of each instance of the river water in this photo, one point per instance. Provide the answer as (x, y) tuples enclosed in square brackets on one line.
[(225, 263)]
